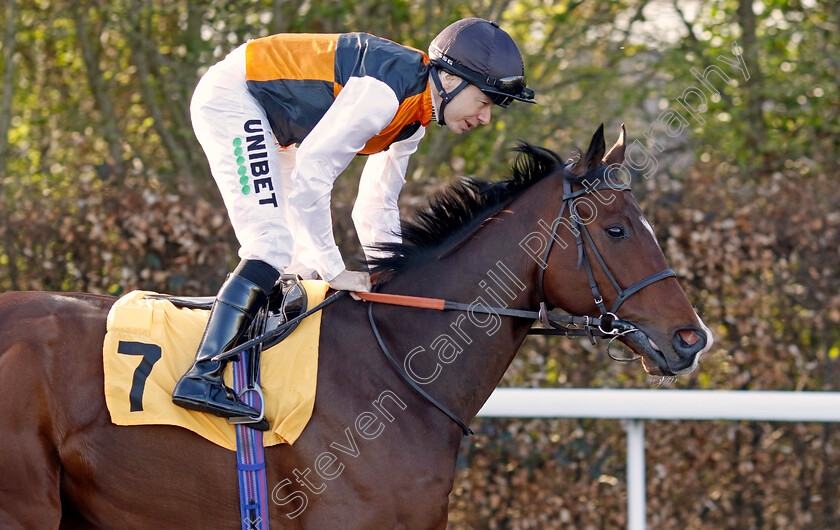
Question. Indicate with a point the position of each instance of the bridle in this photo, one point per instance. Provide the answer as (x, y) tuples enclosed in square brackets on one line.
[(606, 325)]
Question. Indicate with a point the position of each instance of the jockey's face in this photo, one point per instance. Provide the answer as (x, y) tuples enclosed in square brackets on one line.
[(468, 109)]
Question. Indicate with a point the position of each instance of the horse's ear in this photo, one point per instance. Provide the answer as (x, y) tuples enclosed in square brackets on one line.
[(616, 154), (593, 155)]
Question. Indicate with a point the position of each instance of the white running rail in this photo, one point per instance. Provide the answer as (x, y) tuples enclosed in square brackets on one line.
[(635, 406)]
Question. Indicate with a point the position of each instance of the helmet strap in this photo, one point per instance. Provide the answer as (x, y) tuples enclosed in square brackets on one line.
[(445, 97)]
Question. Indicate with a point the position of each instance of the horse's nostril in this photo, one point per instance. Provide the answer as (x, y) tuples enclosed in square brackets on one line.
[(688, 336), (688, 342)]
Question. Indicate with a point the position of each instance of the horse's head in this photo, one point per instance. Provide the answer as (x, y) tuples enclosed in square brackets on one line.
[(611, 251)]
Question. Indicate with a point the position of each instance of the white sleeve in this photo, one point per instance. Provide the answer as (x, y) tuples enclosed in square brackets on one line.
[(376, 214), (363, 108)]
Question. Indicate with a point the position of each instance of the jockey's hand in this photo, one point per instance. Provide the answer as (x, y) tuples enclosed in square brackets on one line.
[(351, 281)]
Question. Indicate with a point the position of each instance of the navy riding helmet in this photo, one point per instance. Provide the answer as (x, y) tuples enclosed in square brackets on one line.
[(482, 54)]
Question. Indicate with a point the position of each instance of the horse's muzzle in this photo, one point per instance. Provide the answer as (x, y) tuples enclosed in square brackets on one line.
[(686, 345)]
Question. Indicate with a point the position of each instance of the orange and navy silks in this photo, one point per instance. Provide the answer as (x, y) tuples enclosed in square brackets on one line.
[(296, 78)]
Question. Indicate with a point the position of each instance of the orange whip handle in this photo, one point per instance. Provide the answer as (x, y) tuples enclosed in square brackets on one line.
[(403, 300)]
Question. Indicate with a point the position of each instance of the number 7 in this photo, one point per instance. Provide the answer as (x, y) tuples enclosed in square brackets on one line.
[(151, 354)]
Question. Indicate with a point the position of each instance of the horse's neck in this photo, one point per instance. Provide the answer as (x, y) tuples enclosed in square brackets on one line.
[(472, 350)]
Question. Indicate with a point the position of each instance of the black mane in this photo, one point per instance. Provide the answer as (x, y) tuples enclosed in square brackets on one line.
[(458, 209)]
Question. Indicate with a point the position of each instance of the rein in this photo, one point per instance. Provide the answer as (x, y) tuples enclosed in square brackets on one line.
[(560, 326), (559, 323)]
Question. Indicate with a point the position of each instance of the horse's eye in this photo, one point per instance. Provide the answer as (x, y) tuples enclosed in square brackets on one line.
[(616, 232)]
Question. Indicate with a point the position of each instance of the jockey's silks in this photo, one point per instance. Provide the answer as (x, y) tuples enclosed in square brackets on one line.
[(296, 78)]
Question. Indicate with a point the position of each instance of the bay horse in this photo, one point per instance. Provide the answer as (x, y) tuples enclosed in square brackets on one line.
[(376, 453)]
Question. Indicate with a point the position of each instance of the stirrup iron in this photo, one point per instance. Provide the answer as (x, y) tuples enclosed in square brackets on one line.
[(244, 420)]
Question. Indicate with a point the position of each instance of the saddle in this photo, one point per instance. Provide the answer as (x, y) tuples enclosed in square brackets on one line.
[(286, 301)]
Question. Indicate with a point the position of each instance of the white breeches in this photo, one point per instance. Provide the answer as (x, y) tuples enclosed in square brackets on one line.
[(251, 170)]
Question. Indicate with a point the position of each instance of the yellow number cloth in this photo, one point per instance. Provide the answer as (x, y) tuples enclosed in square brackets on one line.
[(288, 370)]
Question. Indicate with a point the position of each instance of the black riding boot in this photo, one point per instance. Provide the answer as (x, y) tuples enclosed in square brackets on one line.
[(202, 388)]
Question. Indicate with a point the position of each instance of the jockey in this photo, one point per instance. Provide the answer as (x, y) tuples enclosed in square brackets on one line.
[(282, 116)]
